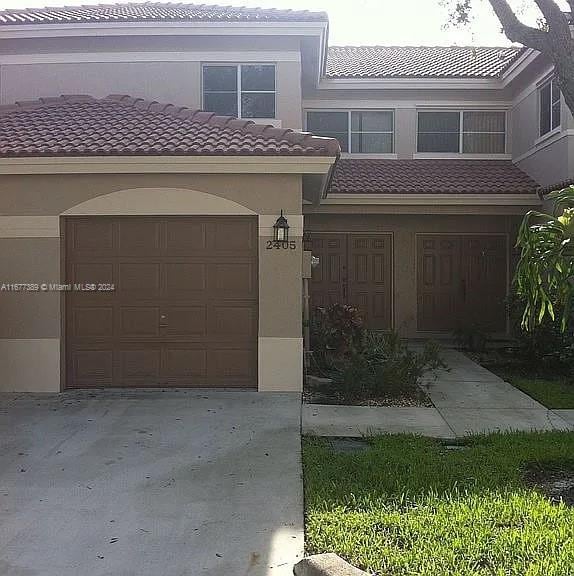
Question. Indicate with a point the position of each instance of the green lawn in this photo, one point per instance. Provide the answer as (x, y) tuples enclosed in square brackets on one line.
[(554, 394), (408, 506), (553, 389)]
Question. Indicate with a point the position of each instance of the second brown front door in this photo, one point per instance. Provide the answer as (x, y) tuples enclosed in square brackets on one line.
[(354, 269), (461, 282)]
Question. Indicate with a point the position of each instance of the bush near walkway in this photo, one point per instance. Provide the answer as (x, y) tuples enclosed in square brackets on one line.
[(410, 506)]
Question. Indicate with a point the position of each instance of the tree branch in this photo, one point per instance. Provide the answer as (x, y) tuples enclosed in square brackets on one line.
[(515, 30), (555, 18)]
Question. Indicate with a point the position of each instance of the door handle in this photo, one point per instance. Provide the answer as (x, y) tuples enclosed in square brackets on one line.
[(163, 320)]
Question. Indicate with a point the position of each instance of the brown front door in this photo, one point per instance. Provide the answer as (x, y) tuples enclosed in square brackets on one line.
[(461, 281), (182, 304), (354, 269)]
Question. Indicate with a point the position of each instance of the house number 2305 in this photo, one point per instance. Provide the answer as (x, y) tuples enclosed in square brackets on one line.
[(277, 244)]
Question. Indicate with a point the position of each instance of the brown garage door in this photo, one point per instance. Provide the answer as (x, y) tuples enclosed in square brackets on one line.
[(184, 307), (354, 269), (462, 282)]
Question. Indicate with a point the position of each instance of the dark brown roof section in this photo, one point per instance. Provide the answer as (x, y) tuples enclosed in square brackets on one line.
[(419, 61), (153, 12), (124, 126), (430, 177)]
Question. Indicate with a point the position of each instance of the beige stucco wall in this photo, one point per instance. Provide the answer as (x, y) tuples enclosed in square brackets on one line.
[(31, 322), (404, 228), (548, 160), (102, 66)]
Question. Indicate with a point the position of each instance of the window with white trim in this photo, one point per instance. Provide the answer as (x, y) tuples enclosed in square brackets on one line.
[(358, 131), (462, 132), (549, 103), (242, 90)]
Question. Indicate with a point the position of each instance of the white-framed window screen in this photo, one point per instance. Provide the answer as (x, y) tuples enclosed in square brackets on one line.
[(351, 128), (549, 103), (469, 131), (228, 89)]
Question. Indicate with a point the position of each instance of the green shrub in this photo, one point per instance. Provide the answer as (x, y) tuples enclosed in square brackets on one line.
[(384, 366), (337, 330), (545, 345)]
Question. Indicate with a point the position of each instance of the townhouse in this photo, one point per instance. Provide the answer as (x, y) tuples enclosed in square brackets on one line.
[(152, 155)]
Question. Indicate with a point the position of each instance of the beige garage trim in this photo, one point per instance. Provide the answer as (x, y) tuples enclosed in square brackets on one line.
[(30, 365), (31, 213), (29, 227), (158, 201)]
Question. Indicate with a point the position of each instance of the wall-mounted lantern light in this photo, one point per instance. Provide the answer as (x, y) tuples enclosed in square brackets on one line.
[(281, 229)]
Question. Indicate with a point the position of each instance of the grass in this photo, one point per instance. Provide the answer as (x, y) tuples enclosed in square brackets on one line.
[(407, 506), (553, 389), (554, 394)]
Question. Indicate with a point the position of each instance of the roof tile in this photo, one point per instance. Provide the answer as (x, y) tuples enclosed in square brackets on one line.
[(153, 12), (121, 125), (419, 61), (362, 176)]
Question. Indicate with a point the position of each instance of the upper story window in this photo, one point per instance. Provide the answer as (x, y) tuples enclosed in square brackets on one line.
[(243, 90), (358, 131), (549, 99), (462, 132)]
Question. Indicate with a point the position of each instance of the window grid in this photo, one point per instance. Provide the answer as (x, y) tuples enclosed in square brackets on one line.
[(462, 132), (553, 121), (350, 130), (240, 90)]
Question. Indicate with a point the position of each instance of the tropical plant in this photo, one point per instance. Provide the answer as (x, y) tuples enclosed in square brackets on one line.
[(544, 275), (337, 330)]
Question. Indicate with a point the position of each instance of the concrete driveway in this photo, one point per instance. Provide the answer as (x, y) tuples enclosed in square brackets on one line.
[(152, 483)]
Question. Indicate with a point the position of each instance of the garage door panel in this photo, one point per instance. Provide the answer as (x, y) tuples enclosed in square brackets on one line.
[(138, 235), (139, 364), (139, 321), (93, 322), (185, 237), (93, 273), (139, 279), (236, 236), (183, 279), (92, 367), (186, 321), (239, 322), (238, 365), (185, 363), (185, 308), (91, 235), (232, 280)]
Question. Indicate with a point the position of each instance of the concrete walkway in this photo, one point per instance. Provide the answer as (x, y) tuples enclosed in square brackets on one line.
[(150, 483), (468, 399)]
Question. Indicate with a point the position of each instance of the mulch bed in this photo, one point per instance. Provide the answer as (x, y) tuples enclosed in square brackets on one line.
[(326, 394), (556, 482)]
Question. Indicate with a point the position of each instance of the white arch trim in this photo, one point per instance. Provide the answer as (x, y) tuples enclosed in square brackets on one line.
[(158, 201)]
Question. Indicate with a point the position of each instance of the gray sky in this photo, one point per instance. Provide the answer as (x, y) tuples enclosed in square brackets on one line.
[(387, 22)]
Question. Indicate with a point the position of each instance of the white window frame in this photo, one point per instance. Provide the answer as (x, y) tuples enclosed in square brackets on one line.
[(350, 128), (461, 152), (240, 90), (556, 129)]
